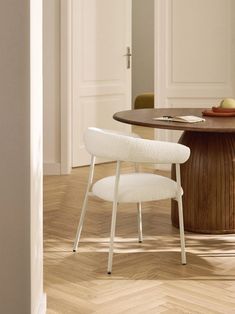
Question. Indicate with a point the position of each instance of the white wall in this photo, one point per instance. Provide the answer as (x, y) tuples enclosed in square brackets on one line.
[(21, 277), (51, 85), (142, 47), (195, 44)]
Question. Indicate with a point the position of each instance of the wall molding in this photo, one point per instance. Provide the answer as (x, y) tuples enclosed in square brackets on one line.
[(66, 86), (191, 89)]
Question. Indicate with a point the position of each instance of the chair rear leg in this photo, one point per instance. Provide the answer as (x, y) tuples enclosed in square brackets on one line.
[(140, 233)]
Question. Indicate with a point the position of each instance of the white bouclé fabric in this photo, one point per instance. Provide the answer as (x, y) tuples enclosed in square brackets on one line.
[(116, 146), (135, 188)]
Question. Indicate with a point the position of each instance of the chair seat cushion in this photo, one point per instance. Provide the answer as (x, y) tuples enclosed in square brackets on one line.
[(136, 187)]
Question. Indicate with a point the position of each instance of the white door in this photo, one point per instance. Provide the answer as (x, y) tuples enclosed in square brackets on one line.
[(195, 49), (101, 74)]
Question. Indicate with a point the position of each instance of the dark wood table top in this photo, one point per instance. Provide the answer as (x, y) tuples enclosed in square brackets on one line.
[(144, 117)]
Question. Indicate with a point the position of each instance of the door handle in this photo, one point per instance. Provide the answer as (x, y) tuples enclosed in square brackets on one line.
[(128, 57)]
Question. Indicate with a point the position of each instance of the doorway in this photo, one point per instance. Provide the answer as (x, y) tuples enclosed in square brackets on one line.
[(101, 74), (104, 80), (142, 48), (143, 60)]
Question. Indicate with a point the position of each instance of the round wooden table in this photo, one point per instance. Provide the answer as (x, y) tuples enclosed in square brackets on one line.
[(208, 177)]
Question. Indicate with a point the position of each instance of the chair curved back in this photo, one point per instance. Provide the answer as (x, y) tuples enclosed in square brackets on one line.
[(117, 146)]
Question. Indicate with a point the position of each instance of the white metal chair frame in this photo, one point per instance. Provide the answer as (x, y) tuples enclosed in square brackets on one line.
[(114, 211)]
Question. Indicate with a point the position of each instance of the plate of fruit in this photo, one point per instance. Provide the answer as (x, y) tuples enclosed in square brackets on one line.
[(225, 109)]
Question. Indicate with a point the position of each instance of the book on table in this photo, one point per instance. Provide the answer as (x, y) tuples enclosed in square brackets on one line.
[(184, 119)]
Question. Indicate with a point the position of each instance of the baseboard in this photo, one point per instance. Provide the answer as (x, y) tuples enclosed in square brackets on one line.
[(43, 305), (51, 169)]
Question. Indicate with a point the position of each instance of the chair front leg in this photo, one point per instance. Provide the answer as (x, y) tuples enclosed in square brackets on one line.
[(84, 206), (140, 233), (80, 225), (112, 235), (181, 217), (114, 215), (139, 211), (181, 225)]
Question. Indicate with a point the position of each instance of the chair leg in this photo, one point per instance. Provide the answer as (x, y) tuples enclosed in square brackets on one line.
[(112, 235), (181, 225), (83, 212), (114, 215), (140, 233), (80, 225), (181, 217)]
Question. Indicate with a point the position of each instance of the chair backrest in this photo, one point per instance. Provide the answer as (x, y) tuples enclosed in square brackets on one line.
[(116, 146), (145, 100)]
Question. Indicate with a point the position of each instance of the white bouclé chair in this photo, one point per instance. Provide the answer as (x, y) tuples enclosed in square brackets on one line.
[(133, 187)]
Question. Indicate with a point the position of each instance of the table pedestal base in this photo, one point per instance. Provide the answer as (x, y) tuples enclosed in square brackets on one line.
[(208, 181)]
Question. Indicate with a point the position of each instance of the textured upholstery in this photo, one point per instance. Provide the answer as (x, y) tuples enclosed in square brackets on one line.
[(103, 143), (135, 188), (131, 134), (145, 100)]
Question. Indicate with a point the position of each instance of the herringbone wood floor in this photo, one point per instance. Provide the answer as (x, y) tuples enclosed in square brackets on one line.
[(148, 277)]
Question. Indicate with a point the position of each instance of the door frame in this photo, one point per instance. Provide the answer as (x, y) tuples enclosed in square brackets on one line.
[(66, 65)]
